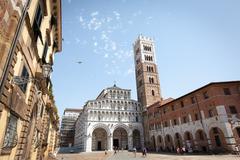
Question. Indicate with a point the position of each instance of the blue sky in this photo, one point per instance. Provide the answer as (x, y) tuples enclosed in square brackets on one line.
[(197, 42)]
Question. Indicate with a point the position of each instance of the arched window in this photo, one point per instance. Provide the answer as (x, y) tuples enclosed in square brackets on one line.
[(153, 94)]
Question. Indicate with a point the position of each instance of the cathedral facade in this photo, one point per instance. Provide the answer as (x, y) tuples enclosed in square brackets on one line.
[(113, 119)]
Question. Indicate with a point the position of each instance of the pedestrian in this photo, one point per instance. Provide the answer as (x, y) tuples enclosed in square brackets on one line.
[(237, 150), (105, 152), (178, 150), (134, 151), (145, 151), (115, 150), (183, 149)]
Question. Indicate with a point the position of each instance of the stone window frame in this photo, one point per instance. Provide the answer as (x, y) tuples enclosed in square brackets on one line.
[(11, 137)]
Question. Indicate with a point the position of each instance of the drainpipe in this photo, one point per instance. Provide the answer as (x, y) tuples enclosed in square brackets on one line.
[(13, 46)]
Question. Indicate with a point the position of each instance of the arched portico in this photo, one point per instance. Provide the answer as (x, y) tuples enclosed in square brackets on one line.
[(169, 143), (188, 138), (96, 142), (99, 139), (218, 139), (201, 141), (160, 143), (178, 140), (120, 138)]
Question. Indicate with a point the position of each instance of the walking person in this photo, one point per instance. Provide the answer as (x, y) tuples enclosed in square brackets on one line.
[(135, 151), (144, 152)]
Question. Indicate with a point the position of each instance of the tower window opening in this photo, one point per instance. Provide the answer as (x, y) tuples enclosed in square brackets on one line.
[(153, 94), (151, 80), (147, 48)]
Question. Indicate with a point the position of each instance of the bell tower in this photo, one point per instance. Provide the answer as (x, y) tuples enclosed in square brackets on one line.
[(147, 79)]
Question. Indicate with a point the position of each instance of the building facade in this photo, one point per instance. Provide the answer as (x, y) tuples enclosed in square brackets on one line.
[(67, 131), (207, 119), (113, 119), (147, 78), (30, 35)]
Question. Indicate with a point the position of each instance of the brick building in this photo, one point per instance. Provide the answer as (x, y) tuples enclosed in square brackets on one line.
[(206, 119), (30, 35)]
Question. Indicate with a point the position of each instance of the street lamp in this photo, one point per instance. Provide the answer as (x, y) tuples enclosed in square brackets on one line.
[(46, 71)]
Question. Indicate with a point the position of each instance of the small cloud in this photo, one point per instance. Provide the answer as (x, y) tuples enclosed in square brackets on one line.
[(94, 24), (95, 44), (81, 19), (113, 46), (106, 56), (94, 13), (117, 15), (109, 19), (130, 71)]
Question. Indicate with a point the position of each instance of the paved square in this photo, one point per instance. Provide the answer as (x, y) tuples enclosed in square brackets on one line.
[(152, 156)]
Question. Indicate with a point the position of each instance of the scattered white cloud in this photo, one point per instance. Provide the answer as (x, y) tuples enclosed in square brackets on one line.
[(130, 71), (149, 19), (94, 24), (81, 19), (102, 28), (108, 19), (94, 13), (117, 15)]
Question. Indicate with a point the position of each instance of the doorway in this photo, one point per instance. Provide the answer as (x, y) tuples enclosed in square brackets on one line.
[(99, 146), (116, 143)]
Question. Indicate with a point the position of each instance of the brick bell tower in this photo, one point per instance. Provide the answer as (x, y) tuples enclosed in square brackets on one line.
[(147, 79)]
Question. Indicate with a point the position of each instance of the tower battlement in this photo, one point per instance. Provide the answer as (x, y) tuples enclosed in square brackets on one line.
[(143, 38)]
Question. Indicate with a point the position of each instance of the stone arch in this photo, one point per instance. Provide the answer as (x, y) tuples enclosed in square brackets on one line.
[(188, 138), (218, 139), (169, 143), (100, 125), (121, 126), (136, 137), (178, 140), (153, 143), (160, 143), (99, 139), (236, 133), (201, 141), (120, 138)]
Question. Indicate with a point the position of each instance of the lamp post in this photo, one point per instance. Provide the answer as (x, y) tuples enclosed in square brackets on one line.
[(46, 71)]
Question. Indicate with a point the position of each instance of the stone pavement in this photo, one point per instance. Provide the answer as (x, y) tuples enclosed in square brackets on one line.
[(84, 156), (156, 156), (152, 156)]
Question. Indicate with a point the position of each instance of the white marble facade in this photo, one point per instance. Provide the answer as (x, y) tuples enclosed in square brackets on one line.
[(112, 119)]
